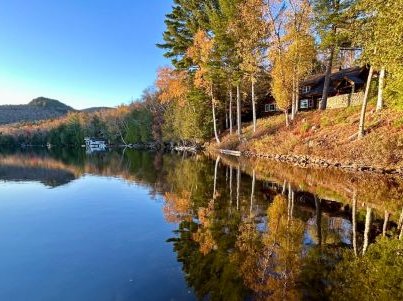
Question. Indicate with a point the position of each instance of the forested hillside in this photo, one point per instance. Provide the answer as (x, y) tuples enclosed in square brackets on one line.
[(38, 109)]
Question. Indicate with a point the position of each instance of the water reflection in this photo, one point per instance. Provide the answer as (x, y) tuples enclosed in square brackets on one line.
[(256, 230)]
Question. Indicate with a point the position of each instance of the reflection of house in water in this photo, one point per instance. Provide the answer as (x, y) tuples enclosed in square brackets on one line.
[(334, 230), (328, 222), (95, 144)]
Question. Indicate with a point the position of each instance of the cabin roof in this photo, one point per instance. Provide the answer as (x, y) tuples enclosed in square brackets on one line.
[(353, 74)]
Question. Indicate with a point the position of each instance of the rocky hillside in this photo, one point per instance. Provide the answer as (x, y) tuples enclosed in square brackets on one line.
[(38, 109), (326, 138)]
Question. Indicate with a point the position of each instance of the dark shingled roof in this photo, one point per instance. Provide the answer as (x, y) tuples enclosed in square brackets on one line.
[(316, 82)]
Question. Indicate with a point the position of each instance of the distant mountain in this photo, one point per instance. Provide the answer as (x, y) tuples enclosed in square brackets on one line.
[(50, 104), (96, 109), (40, 108)]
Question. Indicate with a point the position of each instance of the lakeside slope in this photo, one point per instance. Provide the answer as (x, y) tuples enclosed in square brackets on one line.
[(326, 138)]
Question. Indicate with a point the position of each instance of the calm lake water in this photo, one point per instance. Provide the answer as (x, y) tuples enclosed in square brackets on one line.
[(131, 225)]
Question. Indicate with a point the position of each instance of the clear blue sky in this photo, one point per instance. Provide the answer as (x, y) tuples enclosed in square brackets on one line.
[(82, 52)]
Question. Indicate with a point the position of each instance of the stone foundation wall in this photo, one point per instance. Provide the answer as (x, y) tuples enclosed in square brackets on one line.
[(342, 101)]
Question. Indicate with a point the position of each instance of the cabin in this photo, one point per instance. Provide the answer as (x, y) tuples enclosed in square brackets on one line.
[(267, 106), (95, 144), (344, 88)]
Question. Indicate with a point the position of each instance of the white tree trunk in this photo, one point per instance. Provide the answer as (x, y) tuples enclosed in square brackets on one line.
[(252, 194), (400, 223), (238, 184), (230, 110), (297, 96), (287, 121), (215, 177), (381, 84), (361, 127), (215, 121), (230, 185), (385, 223), (238, 109), (367, 229), (293, 109), (354, 222), (284, 187), (253, 105)]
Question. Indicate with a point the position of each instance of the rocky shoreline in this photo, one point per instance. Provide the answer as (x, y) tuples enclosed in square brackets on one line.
[(194, 148), (306, 161)]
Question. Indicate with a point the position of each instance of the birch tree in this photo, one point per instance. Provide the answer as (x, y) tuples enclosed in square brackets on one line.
[(249, 45), (201, 52), (301, 45), (382, 44)]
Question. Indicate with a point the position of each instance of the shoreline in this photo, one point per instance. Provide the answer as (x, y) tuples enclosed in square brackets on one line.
[(305, 161)]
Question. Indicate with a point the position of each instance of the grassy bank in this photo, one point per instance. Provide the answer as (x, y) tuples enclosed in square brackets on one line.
[(328, 135)]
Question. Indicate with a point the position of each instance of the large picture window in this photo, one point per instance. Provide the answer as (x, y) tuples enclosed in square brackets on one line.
[(304, 103)]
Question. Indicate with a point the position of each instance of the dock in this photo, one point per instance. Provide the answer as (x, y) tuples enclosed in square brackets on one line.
[(230, 152)]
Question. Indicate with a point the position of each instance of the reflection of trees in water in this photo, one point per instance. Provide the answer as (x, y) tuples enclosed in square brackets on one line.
[(268, 247), (265, 237)]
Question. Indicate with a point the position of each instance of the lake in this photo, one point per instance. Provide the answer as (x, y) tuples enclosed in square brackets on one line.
[(133, 225)]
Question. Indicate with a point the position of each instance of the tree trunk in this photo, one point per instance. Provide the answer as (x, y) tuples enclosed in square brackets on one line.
[(284, 187), (354, 222), (323, 102), (318, 219), (287, 122), (361, 127), (215, 177), (297, 96), (385, 223), (400, 223), (230, 185), (214, 118), (230, 110), (290, 192), (293, 109), (381, 84), (366, 230), (252, 194), (238, 184), (238, 109), (253, 104)]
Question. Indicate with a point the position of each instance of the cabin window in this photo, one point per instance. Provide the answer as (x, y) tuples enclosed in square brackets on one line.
[(270, 107), (306, 103), (306, 89)]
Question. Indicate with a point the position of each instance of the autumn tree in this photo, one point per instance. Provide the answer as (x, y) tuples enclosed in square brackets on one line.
[(202, 54), (381, 45), (223, 23), (251, 33), (301, 48), (281, 68)]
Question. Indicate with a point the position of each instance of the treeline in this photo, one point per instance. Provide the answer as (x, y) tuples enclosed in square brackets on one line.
[(228, 54), (126, 124)]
